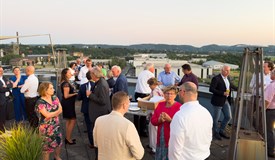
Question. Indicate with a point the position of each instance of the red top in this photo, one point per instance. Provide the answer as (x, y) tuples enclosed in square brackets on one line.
[(171, 112)]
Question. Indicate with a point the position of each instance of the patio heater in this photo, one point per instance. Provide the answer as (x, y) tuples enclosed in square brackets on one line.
[(248, 133)]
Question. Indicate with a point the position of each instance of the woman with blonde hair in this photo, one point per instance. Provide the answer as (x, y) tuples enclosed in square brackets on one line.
[(162, 118), (49, 108)]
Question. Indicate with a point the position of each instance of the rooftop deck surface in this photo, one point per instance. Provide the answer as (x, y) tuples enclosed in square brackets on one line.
[(81, 151)]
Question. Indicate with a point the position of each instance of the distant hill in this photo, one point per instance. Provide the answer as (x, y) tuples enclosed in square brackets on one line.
[(157, 48), (182, 48)]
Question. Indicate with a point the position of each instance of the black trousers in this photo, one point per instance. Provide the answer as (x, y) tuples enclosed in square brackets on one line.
[(141, 120), (89, 128), (2, 116), (92, 140), (30, 110), (270, 119)]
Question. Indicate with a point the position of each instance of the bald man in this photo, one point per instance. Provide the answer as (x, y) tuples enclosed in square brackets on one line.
[(30, 92), (168, 77), (190, 139)]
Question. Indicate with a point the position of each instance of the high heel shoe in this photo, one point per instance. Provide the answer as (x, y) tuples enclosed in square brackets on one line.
[(68, 142)]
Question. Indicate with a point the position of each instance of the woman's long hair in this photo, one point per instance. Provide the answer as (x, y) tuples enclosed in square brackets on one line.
[(63, 75)]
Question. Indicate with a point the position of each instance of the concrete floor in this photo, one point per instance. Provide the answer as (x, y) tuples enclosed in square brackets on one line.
[(81, 151)]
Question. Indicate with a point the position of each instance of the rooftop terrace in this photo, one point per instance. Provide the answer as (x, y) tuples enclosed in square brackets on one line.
[(81, 151)]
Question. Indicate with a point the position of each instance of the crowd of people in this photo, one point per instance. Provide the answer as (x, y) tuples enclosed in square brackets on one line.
[(180, 129)]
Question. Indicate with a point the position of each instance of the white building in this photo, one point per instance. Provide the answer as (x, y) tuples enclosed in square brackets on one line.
[(197, 60), (155, 55), (103, 61), (139, 63), (218, 65)]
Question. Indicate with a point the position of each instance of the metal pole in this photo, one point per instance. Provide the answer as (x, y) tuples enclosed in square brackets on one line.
[(263, 120), (54, 55)]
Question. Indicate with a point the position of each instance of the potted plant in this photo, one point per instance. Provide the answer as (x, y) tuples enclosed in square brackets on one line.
[(22, 143)]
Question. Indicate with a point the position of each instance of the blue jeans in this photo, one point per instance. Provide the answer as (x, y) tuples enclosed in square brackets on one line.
[(226, 110)]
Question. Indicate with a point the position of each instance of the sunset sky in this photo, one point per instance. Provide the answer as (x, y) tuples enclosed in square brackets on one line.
[(124, 22)]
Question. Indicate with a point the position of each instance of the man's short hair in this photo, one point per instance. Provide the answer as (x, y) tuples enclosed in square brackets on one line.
[(186, 67), (190, 87), (117, 67), (118, 98), (97, 72), (88, 75), (270, 65), (148, 66)]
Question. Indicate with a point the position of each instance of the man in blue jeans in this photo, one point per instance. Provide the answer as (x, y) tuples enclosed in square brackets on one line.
[(221, 88)]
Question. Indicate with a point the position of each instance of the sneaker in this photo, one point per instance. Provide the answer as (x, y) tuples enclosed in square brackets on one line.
[(217, 136), (222, 134)]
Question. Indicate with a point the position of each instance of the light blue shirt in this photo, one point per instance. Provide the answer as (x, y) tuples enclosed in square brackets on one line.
[(168, 79)]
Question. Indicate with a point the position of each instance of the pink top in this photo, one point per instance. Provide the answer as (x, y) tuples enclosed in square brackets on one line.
[(156, 92), (171, 112), (270, 95)]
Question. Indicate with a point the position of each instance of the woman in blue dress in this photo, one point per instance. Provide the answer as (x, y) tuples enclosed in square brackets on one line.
[(18, 97)]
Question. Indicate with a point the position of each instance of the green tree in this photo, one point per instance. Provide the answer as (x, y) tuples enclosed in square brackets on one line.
[(118, 61), (6, 59)]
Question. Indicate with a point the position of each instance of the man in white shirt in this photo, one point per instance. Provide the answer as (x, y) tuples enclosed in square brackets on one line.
[(82, 73), (115, 136), (191, 127), (143, 90), (30, 92), (267, 68)]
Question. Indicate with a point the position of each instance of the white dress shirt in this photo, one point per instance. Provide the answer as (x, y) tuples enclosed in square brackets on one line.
[(142, 86), (72, 72), (4, 84), (82, 75), (190, 133), (30, 85), (252, 84), (226, 81)]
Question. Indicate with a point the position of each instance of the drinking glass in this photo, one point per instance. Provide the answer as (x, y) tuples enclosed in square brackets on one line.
[(144, 109)]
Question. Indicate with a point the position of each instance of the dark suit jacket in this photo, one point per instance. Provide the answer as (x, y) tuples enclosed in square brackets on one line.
[(82, 96), (111, 82), (217, 87), (121, 84), (3, 90), (99, 103)]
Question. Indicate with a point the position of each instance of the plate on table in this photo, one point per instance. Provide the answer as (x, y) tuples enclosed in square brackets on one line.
[(134, 108)]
